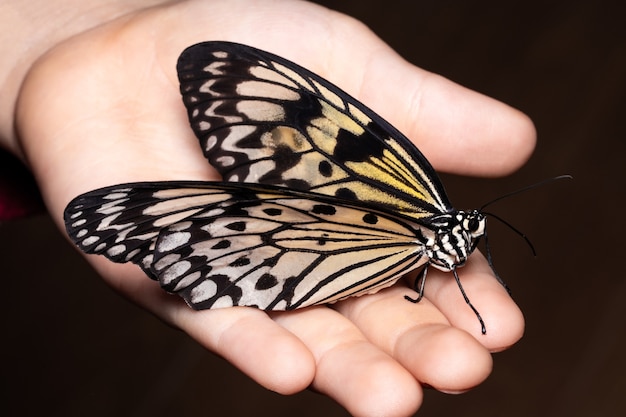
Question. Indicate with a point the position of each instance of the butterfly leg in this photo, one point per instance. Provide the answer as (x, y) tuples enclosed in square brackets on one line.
[(418, 286), (483, 329), (493, 269)]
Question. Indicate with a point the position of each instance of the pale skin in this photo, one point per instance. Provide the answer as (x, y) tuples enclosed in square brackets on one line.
[(90, 98)]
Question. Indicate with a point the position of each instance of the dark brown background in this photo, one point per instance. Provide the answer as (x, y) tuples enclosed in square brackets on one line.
[(71, 347)]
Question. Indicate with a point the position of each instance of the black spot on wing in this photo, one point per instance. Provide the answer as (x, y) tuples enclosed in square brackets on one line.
[(345, 193), (324, 209), (272, 212), (297, 184), (370, 218), (325, 169), (285, 158), (222, 244), (266, 282), (357, 148), (237, 226), (243, 261)]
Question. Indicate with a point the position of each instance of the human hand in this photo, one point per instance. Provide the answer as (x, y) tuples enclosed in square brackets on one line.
[(103, 108)]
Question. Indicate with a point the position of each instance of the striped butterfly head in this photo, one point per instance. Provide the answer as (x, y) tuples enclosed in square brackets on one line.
[(455, 238)]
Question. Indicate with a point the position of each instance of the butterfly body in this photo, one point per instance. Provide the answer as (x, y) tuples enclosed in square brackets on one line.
[(321, 199)]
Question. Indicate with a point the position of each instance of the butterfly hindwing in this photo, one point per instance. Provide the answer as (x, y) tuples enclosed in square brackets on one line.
[(264, 119), (221, 245)]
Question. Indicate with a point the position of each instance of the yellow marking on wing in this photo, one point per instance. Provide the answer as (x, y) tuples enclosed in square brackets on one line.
[(407, 159), (365, 192), (402, 176), (378, 171)]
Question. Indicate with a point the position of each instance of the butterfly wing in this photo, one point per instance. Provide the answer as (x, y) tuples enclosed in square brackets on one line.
[(220, 245), (263, 119)]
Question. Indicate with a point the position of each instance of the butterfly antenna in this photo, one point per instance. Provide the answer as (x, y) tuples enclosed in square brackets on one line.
[(509, 225), (522, 190), (514, 229)]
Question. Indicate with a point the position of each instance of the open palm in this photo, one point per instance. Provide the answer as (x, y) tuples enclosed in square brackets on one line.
[(103, 108)]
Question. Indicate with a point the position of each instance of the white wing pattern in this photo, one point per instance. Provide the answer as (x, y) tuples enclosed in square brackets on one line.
[(321, 200)]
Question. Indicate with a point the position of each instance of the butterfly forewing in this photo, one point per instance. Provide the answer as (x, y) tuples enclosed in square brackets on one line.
[(263, 119)]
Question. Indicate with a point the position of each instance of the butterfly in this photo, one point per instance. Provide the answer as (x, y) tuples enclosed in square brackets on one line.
[(321, 198)]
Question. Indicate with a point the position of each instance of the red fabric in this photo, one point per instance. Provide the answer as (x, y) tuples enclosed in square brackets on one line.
[(19, 195)]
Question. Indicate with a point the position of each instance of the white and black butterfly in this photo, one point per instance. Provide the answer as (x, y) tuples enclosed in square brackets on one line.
[(321, 200)]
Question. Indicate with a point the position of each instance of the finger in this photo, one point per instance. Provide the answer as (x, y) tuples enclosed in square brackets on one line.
[(503, 318), (246, 337), (251, 341), (420, 338), (351, 370)]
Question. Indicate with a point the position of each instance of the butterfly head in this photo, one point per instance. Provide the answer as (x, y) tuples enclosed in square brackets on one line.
[(456, 237)]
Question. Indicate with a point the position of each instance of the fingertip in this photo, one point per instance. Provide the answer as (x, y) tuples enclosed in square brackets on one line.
[(367, 382), (505, 323), (445, 358), (390, 393), (503, 319), (291, 369), (350, 369), (516, 138)]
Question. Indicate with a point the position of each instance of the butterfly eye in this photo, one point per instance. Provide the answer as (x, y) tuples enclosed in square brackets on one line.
[(473, 224)]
